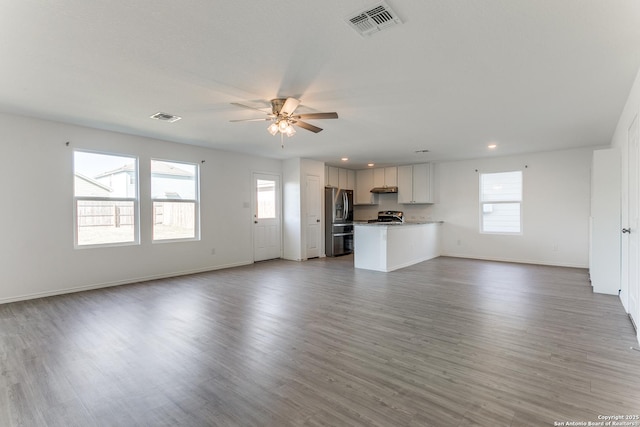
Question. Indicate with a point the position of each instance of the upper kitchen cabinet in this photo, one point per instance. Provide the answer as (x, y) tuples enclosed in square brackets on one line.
[(364, 184), (415, 184), (351, 180), (385, 177), (340, 178)]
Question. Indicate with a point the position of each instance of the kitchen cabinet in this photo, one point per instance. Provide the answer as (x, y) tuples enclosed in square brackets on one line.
[(385, 177), (351, 180), (333, 176), (340, 178), (415, 184), (364, 184)]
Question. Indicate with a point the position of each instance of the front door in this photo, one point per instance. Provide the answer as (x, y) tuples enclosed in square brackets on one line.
[(266, 217)]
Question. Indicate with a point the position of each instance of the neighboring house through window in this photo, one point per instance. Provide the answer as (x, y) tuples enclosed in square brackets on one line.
[(105, 199), (175, 196)]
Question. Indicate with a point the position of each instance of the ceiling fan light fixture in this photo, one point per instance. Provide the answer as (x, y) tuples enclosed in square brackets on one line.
[(282, 117), (283, 125), (289, 131), (273, 129)]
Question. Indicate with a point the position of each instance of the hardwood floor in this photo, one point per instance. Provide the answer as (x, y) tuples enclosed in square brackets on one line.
[(448, 342)]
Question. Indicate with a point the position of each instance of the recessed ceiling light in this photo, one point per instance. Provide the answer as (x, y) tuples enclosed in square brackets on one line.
[(492, 146), (344, 159), (370, 164)]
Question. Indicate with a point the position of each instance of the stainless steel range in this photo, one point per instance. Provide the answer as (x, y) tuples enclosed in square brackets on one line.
[(389, 216)]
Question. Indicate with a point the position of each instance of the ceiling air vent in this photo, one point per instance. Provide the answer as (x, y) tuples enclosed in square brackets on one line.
[(373, 19), (166, 117)]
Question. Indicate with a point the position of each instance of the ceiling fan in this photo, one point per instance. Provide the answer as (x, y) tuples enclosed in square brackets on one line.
[(283, 119)]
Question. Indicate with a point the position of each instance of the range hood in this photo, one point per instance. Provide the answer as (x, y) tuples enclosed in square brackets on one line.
[(384, 190)]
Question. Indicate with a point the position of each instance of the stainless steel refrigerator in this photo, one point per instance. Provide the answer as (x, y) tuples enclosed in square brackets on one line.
[(338, 208)]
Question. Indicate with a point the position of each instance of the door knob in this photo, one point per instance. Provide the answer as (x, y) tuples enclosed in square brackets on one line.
[(255, 222), (317, 220), (626, 230)]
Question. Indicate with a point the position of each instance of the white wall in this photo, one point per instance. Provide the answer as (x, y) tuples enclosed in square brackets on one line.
[(555, 213), (37, 252), (291, 210), (295, 173)]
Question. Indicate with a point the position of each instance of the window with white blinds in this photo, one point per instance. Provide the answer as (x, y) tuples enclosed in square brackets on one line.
[(501, 202)]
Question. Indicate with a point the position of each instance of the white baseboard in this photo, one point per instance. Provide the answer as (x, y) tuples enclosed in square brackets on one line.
[(515, 260), (63, 291)]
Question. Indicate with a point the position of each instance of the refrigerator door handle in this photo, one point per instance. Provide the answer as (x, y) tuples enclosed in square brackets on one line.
[(345, 197)]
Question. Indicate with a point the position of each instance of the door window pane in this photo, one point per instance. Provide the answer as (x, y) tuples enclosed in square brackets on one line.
[(266, 203)]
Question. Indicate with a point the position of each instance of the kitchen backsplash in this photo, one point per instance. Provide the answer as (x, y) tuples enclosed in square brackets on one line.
[(389, 202)]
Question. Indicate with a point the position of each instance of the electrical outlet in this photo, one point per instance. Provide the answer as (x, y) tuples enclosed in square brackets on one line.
[(213, 251)]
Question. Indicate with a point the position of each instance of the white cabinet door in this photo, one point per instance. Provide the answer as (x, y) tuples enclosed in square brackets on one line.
[(391, 176), (421, 193), (405, 184), (415, 184), (378, 177), (342, 178), (334, 177), (351, 180), (364, 184)]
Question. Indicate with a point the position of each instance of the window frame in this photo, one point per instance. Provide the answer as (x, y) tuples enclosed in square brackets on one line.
[(482, 204), (135, 200), (195, 201)]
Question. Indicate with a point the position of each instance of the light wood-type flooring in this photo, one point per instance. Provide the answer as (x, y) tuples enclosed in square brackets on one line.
[(448, 342)]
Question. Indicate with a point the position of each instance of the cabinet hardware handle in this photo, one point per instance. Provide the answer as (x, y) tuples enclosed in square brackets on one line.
[(626, 230)]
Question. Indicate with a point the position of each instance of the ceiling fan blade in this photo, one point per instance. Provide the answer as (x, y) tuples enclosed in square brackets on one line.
[(307, 126), (262, 110), (251, 120), (289, 106), (332, 115)]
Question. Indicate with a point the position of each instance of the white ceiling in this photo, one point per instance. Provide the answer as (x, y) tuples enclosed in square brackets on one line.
[(530, 75)]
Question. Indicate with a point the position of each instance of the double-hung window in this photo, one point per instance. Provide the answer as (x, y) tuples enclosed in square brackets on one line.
[(501, 202), (175, 197), (105, 199)]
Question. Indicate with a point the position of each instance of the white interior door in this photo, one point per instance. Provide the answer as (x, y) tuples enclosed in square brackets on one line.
[(314, 215), (633, 231), (267, 235)]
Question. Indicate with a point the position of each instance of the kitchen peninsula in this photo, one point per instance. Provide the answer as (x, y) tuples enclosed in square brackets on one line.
[(390, 246)]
